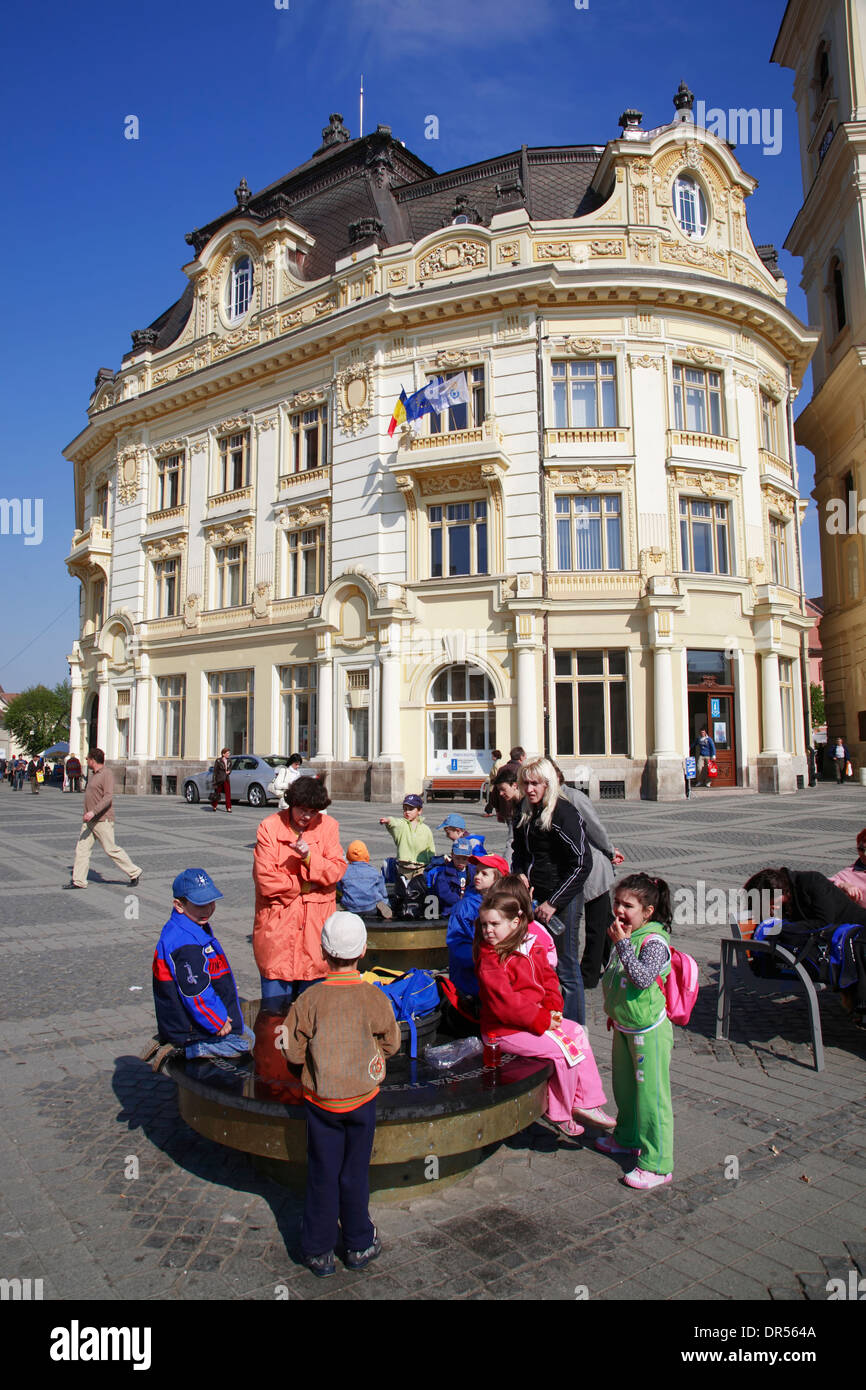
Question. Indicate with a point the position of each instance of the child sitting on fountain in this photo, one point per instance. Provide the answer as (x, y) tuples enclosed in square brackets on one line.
[(341, 1030), (194, 990), (362, 888)]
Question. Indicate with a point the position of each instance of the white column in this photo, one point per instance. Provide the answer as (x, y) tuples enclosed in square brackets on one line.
[(527, 701), (325, 706), (102, 715), (663, 702), (390, 731), (142, 718), (771, 703), (75, 715)]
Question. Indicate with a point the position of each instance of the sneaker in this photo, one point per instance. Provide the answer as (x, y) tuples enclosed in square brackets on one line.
[(606, 1144), (570, 1128), (596, 1117), (644, 1180), (384, 910), (70, 884), (359, 1259), (134, 882), (321, 1265)]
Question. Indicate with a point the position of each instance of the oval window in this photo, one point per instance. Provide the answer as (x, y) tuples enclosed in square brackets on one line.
[(690, 207)]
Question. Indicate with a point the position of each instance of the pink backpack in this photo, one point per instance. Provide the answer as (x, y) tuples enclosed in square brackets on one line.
[(680, 989)]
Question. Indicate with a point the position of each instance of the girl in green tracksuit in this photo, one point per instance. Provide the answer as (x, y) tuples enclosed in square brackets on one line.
[(642, 1033)]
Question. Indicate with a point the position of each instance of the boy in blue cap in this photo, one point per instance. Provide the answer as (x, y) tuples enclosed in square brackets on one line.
[(194, 990), (455, 828)]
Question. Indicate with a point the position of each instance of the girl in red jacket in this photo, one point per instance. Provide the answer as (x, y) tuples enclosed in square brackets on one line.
[(521, 1004)]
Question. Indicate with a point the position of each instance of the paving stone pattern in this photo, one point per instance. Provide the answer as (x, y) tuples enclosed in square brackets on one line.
[(108, 1195)]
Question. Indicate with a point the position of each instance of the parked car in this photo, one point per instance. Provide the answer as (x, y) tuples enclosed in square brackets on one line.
[(249, 774)]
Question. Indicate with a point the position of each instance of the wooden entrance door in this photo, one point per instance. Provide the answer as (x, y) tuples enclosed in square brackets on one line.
[(712, 708)]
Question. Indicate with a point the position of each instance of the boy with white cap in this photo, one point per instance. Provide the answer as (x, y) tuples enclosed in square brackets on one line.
[(340, 1030)]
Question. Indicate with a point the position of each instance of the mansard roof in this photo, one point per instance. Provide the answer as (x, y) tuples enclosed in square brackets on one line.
[(376, 177)]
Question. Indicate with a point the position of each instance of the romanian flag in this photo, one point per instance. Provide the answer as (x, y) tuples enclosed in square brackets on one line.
[(399, 416)]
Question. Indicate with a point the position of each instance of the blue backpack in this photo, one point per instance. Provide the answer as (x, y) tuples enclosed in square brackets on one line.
[(412, 995)]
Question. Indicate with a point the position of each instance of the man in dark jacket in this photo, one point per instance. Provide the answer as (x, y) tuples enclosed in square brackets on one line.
[(703, 749)]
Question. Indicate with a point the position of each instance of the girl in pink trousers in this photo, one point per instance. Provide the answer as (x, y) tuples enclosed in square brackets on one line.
[(521, 1005)]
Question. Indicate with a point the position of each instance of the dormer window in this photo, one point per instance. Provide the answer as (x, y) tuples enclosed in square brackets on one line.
[(690, 207), (239, 290)]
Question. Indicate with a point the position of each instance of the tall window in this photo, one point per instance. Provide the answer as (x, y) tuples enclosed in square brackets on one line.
[(769, 424), (233, 469), (97, 603), (705, 536), (231, 575), (306, 571), (170, 707), (591, 703), (786, 691), (169, 482), (230, 698), (166, 576), (309, 433), (584, 394), (100, 508), (779, 551), (698, 400), (298, 709), (837, 291), (458, 539), (589, 532), (239, 290), (462, 417), (690, 207)]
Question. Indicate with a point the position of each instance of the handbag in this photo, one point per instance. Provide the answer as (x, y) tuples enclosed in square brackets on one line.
[(712, 768)]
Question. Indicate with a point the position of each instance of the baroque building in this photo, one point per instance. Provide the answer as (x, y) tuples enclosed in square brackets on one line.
[(597, 553), (824, 42)]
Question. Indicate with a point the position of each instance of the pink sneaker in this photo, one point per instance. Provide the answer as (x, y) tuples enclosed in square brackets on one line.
[(606, 1144), (566, 1127), (643, 1180), (596, 1117)]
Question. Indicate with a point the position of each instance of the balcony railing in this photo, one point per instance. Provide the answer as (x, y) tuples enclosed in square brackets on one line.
[(691, 439), (607, 434), (239, 494), (772, 463)]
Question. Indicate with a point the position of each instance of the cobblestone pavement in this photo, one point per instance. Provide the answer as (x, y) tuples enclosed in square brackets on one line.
[(537, 1219)]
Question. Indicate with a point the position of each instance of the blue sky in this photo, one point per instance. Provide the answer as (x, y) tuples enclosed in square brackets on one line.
[(95, 223)]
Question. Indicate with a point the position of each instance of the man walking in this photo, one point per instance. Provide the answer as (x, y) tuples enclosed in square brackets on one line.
[(73, 773), (99, 824)]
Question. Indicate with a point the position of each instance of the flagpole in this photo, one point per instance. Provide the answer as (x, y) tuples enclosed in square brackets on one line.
[(361, 130)]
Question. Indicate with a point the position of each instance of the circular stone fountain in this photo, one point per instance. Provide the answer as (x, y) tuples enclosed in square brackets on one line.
[(432, 1126)]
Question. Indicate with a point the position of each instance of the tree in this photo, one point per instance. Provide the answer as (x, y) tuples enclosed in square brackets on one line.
[(816, 693), (39, 717)]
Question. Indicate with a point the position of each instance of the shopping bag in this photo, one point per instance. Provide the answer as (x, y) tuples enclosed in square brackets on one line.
[(712, 768)]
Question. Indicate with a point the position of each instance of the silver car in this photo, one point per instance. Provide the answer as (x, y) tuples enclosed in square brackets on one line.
[(249, 775)]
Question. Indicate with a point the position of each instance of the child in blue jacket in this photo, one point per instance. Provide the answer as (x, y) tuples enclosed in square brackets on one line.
[(459, 938), (194, 990), (362, 888)]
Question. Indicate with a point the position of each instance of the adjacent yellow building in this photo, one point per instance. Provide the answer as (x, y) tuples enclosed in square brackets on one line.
[(594, 552)]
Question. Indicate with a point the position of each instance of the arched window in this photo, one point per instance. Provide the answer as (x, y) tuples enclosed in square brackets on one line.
[(239, 289), (461, 722), (690, 206), (822, 68), (836, 290)]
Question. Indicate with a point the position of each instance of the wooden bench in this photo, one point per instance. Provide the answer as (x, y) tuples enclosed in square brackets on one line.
[(471, 787), (735, 946)]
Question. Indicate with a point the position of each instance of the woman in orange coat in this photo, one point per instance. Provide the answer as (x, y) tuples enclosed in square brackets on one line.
[(297, 864)]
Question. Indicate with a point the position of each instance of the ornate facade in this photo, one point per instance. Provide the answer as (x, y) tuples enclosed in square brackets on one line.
[(825, 44), (596, 555)]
